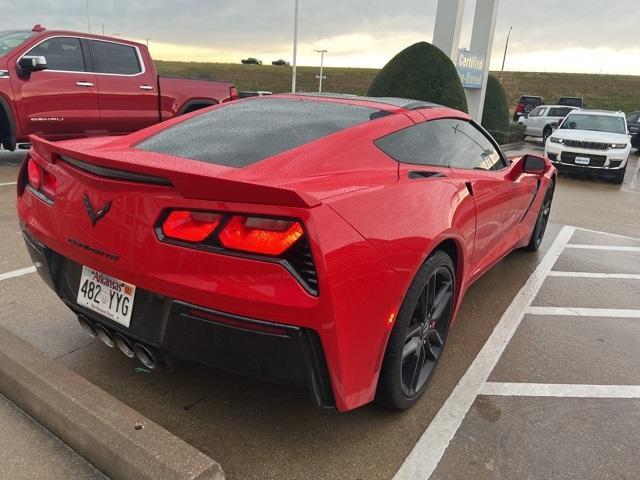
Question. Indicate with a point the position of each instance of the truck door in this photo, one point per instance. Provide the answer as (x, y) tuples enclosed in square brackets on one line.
[(126, 87), (61, 101)]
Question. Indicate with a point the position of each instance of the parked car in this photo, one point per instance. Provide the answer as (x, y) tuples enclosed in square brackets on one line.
[(633, 122), (251, 61), (62, 85), (542, 120), (577, 102), (248, 94), (525, 104), (226, 261), (281, 62), (591, 141)]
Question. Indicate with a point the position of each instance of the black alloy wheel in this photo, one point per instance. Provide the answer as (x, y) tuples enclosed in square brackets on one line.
[(417, 340), (543, 219)]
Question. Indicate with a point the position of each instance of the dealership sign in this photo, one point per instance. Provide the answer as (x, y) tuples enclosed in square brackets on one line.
[(471, 68)]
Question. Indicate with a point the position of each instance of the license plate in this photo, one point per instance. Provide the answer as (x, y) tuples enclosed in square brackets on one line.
[(106, 295), (583, 160)]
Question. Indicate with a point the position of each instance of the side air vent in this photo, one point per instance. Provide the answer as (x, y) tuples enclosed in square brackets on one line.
[(301, 260)]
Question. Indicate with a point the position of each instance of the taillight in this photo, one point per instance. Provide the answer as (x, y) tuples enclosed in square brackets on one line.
[(520, 108), (264, 236), (190, 226), (34, 174), (42, 182), (233, 93)]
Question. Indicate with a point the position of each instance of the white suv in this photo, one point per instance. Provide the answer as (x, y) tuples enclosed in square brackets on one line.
[(540, 121), (592, 141)]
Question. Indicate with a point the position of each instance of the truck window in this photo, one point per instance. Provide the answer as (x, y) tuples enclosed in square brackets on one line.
[(116, 58), (62, 54)]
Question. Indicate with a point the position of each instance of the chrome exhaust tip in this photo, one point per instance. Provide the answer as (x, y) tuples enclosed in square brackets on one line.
[(105, 335), (124, 345), (87, 326), (145, 356)]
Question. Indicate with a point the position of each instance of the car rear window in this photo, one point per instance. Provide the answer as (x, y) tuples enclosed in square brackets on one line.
[(531, 100), (559, 112), (242, 133)]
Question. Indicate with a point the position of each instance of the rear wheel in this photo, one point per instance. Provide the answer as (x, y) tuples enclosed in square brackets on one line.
[(418, 336), (542, 221)]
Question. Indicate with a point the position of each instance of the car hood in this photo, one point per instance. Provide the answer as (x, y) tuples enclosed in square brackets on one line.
[(591, 136)]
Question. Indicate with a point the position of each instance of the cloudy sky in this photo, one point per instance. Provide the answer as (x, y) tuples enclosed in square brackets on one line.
[(591, 36)]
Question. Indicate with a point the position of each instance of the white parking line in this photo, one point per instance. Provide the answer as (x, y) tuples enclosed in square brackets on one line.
[(426, 454), (17, 273), (559, 390), (624, 276), (585, 312), (636, 174), (8, 184), (614, 248)]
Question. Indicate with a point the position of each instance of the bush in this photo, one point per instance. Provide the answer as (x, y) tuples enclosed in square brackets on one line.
[(513, 134), (421, 72), (496, 107)]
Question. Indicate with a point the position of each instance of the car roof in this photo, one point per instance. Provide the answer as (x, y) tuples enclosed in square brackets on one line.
[(607, 113), (404, 103), (559, 106)]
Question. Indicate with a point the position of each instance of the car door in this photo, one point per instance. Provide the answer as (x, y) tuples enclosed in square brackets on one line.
[(61, 101), (126, 88), (529, 122), (538, 121), (501, 198)]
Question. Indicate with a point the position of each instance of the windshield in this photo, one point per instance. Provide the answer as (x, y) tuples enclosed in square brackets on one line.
[(595, 123), (10, 40)]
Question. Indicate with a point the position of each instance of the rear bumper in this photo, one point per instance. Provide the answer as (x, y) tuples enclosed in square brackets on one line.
[(179, 330)]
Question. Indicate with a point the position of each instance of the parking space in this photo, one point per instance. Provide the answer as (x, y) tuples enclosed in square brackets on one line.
[(510, 393)]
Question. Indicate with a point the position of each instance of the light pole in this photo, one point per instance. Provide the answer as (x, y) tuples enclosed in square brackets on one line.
[(504, 59), (147, 39), (321, 76), (295, 46), (88, 18)]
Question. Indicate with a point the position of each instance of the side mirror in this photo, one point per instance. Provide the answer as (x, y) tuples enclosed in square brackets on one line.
[(29, 64), (555, 125), (533, 164)]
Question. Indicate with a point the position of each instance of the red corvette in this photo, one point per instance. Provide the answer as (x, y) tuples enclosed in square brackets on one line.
[(324, 241)]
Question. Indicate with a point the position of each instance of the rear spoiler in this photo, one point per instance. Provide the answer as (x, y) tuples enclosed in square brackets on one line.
[(178, 175)]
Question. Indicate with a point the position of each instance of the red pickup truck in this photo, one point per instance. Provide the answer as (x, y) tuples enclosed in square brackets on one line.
[(62, 85)]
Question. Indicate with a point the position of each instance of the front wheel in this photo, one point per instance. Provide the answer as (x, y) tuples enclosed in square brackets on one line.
[(545, 135), (619, 177), (542, 221), (417, 340)]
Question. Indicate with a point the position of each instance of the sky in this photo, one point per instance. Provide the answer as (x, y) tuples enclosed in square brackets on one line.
[(585, 36)]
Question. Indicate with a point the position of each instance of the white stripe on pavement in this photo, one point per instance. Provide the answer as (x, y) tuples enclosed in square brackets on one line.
[(615, 248), (426, 454), (559, 390), (8, 184), (625, 276), (17, 273), (615, 235), (585, 312)]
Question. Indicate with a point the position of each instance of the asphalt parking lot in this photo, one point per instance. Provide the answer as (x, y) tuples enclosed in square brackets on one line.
[(552, 392)]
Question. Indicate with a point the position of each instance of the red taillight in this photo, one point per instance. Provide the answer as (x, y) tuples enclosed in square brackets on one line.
[(49, 185), (233, 93), (264, 236), (190, 226), (520, 108), (34, 174)]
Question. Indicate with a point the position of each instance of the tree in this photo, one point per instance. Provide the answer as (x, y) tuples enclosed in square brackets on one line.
[(421, 72), (495, 117)]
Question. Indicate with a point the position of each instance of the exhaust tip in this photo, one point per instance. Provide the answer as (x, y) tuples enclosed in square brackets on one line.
[(124, 345), (87, 326), (145, 356), (105, 336)]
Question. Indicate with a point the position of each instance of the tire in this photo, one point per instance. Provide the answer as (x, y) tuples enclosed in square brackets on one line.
[(543, 219), (618, 179), (418, 337), (546, 134)]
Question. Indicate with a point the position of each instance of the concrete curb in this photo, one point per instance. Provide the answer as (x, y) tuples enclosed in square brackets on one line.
[(509, 146), (116, 439)]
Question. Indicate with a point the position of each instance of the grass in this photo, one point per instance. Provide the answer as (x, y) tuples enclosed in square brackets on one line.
[(611, 92)]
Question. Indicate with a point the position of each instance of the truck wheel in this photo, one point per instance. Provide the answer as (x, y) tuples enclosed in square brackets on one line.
[(619, 178), (417, 340)]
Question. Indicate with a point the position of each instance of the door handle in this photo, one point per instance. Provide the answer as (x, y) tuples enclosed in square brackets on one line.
[(146, 87), (84, 84)]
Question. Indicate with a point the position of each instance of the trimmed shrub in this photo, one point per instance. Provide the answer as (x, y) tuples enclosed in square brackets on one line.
[(513, 134), (496, 107), (421, 72)]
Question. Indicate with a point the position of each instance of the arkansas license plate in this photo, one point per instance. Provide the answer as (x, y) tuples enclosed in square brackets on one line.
[(583, 160), (106, 295)]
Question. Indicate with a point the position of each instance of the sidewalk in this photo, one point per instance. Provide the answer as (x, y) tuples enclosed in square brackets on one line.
[(29, 452)]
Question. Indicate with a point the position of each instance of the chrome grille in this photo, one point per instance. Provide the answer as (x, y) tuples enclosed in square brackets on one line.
[(587, 145)]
